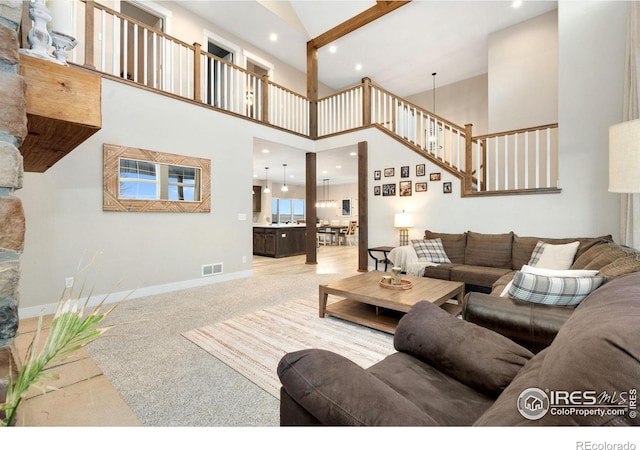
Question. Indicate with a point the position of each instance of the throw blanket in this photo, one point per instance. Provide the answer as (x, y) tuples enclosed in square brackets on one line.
[(406, 258)]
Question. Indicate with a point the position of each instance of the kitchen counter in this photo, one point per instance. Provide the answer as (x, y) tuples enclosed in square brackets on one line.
[(279, 240)]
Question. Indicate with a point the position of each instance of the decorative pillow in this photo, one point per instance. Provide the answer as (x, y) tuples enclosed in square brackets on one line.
[(565, 291), (454, 244), (550, 273), (431, 250), (550, 256)]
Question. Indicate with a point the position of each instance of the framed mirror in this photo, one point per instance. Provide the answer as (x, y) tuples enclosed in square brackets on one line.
[(145, 180)]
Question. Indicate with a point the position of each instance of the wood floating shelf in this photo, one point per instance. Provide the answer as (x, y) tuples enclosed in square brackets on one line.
[(63, 110)]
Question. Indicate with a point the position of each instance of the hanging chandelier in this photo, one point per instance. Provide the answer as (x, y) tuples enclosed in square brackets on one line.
[(266, 181), (284, 178), (325, 203)]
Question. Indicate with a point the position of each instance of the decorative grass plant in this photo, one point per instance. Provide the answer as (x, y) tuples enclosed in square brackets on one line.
[(70, 330)]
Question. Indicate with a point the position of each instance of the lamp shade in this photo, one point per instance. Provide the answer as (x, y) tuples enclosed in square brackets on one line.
[(403, 220), (624, 157)]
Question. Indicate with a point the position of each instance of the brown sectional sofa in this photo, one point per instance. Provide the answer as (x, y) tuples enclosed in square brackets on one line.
[(487, 262), (449, 372)]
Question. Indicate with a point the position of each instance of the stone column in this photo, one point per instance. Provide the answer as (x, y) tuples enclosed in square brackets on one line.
[(13, 129)]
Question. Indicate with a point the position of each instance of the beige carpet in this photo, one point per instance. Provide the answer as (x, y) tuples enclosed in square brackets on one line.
[(253, 344)]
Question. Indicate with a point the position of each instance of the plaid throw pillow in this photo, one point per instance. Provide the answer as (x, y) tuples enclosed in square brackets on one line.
[(431, 250), (553, 290)]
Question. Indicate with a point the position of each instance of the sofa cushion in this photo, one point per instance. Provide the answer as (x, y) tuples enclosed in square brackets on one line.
[(441, 271), (490, 250), (621, 266), (553, 256), (523, 247), (337, 391), (501, 283), (477, 275), (588, 257), (565, 291), (431, 390), (476, 356), (454, 244), (430, 250)]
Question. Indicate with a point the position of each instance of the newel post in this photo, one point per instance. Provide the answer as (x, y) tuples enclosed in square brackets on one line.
[(89, 24), (366, 101), (265, 98), (468, 157), (197, 72)]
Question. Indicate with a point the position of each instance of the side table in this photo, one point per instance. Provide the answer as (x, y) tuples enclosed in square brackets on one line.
[(385, 251)]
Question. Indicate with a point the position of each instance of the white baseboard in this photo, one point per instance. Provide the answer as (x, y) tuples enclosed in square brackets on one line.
[(114, 297)]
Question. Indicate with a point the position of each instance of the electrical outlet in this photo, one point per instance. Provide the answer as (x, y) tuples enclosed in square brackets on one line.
[(68, 282), (244, 259)]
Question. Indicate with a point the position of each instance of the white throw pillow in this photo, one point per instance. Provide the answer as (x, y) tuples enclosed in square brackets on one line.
[(554, 256)]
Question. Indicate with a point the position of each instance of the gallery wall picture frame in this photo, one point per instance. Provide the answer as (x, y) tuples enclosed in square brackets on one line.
[(420, 170), (404, 172), (376, 190), (405, 189), (446, 187), (388, 190), (346, 207), (377, 174), (421, 187), (434, 176), (389, 172)]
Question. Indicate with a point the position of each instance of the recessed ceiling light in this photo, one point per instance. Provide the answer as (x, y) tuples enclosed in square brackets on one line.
[(265, 150), (338, 167), (517, 4), (332, 49), (358, 67), (273, 37), (324, 172), (353, 154)]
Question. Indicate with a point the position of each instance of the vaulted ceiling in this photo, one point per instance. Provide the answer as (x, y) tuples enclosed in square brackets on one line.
[(399, 52)]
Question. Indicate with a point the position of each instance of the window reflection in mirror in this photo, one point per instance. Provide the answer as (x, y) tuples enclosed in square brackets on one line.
[(145, 180), (142, 180)]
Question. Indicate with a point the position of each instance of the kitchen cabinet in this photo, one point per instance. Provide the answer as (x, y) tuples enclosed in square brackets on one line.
[(279, 242)]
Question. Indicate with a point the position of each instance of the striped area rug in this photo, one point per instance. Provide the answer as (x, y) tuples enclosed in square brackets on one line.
[(253, 344)]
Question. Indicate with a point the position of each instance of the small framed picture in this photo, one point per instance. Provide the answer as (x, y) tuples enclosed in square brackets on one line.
[(346, 207), (434, 176), (446, 187), (389, 172), (376, 174), (419, 171), (376, 190), (421, 187), (388, 189), (404, 172), (405, 189)]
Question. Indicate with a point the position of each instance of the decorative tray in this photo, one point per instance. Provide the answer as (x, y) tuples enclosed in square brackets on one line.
[(404, 284)]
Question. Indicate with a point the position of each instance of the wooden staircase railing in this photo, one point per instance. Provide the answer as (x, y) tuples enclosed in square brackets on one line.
[(518, 161)]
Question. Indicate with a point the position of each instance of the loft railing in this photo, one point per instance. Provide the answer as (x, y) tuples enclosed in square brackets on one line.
[(517, 160), (122, 47), (507, 162)]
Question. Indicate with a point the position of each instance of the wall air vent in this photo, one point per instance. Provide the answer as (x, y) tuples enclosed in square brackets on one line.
[(211, 269)]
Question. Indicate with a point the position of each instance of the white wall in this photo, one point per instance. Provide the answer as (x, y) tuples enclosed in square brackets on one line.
[(154, 252), (523, 74), (461, 103)]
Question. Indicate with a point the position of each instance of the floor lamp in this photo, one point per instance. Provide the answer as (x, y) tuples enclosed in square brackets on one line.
[(404, 221), (624, 157)]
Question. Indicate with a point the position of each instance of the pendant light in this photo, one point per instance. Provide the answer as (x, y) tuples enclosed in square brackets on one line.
[(266, 178), (325, 202), (284, 178)]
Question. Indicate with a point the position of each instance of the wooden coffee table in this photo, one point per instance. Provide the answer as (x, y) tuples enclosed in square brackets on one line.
[(367, 303)]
